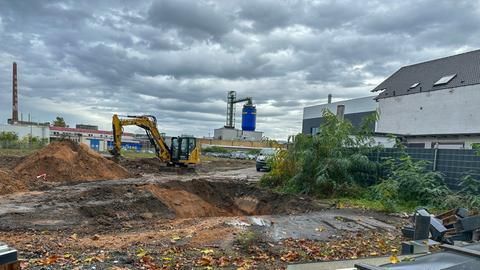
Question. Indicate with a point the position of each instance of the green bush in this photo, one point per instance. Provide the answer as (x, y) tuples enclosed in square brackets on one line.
[(10, 140), (386, 193), (415, 182), (469, 192), (334, 164), (8, 136), (409, 182), (329, 164)]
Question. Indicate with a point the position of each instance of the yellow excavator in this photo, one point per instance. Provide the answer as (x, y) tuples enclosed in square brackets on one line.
[(183, 151)]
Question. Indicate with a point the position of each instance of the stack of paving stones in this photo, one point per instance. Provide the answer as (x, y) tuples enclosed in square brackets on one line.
[(429, 230), (8, 258)]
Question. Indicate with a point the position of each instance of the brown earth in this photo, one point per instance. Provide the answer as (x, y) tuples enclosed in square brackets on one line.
[(142, 166), (113, 205), (67, 161), (185, 204), (9, 185), (178, 219)]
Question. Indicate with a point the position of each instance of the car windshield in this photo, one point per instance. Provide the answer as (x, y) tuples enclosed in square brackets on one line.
[(267, 152)]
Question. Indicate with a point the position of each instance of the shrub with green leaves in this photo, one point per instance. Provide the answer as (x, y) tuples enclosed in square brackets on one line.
[(415, 182), (329, 164), (386, 193), (470, 192), (334, 163)]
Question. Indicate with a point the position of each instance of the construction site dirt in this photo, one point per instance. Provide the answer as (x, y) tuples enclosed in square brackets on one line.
[(169, 218)]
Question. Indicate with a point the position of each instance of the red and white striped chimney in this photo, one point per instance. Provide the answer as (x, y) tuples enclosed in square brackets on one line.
[(15, 94)]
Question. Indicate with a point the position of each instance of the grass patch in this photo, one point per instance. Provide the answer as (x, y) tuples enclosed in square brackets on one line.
[(375, 205), (135, 154)]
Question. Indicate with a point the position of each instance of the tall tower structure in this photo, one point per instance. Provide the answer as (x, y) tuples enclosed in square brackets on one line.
[(14, 95)]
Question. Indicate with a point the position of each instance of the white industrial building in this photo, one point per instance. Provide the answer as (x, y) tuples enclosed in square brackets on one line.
[(237, 134), (434, 104), (98, 140), (22, 131)]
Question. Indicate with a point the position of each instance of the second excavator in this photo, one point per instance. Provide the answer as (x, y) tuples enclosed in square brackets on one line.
[(182, 151)]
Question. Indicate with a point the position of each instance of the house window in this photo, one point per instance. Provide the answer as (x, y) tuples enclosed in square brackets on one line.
[(414, 85), (315, 130)]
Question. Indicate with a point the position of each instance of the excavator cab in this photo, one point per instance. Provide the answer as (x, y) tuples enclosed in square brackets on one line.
[(184, 150)]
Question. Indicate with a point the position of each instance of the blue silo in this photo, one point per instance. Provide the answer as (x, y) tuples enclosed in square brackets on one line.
[(249, 117)]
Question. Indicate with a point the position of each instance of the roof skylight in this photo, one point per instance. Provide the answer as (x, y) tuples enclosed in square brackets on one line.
[(378, 90), (414, 85), (445, 79)]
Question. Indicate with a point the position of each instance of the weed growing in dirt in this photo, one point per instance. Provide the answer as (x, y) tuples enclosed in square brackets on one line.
[(248, 239)]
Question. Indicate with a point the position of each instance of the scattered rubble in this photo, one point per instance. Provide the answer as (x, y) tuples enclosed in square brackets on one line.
[(430, 230)]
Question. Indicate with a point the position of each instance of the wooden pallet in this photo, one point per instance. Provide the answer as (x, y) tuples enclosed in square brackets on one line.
[(10, 266)]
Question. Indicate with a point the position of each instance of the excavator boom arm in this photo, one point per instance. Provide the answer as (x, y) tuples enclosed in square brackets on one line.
[(149, 124)]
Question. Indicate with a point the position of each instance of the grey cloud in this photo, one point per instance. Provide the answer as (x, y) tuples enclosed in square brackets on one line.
[(266, 14), (196, 18), (177, 59)]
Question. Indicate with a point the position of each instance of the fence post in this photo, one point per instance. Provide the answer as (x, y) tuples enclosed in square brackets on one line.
[(435, 154), (378, 166)]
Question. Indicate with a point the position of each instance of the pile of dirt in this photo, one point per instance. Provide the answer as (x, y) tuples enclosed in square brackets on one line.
[(68, 161), (9, 185)]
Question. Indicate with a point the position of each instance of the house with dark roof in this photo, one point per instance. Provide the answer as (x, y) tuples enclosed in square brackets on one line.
[(434, 104)]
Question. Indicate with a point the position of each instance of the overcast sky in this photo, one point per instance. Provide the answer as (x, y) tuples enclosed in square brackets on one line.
[(176, 59)]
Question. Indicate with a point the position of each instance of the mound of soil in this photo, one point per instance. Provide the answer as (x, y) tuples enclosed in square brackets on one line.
[(9, 185), (68, 161)]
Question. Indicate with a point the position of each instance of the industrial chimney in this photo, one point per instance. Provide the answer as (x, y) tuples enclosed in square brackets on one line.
[(15, 95), (340, 111)]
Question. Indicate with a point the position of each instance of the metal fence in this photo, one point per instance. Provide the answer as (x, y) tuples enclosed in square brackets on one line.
[(452, 163), (22, 144)]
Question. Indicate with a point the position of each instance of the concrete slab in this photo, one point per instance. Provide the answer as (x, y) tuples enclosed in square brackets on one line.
[(342, 265)]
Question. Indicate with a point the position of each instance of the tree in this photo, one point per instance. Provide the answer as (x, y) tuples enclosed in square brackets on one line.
[(59, 122), (332, 163), (8, 136)]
